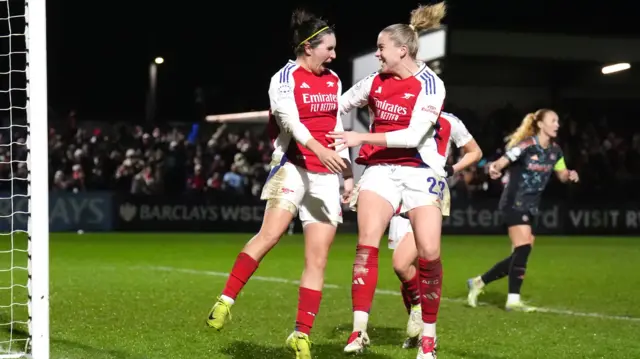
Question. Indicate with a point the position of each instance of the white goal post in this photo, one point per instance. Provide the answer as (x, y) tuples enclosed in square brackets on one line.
[(24, 226)]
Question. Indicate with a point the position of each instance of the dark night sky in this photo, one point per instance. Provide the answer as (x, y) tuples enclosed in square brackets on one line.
[(99, 51)]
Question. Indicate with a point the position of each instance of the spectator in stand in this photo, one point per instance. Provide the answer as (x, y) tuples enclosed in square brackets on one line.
[(196, 181), (234, 180), (144, 182)]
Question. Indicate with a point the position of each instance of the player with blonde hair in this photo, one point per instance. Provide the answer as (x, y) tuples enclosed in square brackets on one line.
[(304, 176), (401, 239), (405, 162), (532, 155)]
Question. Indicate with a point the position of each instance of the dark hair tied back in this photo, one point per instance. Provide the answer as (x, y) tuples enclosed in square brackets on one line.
[(303, 25)]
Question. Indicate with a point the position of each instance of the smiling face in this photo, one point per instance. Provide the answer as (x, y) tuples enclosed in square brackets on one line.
[(389, 53)]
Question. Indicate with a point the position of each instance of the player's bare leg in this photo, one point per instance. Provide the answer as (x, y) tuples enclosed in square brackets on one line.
[(426, 222), (318, 238), (404, 262), (374, 214), (277, 216)]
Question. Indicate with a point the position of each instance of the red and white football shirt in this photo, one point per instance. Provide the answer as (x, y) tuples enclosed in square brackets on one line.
[(303, 105), (394, 105)]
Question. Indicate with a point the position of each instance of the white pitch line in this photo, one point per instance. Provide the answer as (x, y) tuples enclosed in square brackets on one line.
[(389, 292)]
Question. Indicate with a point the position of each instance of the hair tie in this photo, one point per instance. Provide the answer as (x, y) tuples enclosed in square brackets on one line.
[(312, 36)]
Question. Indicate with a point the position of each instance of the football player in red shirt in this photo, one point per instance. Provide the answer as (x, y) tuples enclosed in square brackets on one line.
[(304, 178), (405, 165)]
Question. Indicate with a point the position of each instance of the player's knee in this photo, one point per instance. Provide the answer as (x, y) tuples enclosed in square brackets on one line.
[(269, 237), (402, 261), (429, 248), (402, 267), (370, 236), (521, 255), (316, 262)]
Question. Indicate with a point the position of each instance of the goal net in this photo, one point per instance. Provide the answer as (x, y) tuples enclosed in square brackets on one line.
[(24, 224)]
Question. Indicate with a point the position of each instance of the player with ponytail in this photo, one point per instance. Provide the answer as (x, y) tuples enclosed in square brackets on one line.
[(405, 156), (532, 155), (304, 178)]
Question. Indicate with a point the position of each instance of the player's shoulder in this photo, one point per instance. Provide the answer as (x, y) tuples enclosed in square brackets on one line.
[(451, 118), (456, 123), (372, 75), (367, 82), (555, 147), (283, 75), (527, 142), (370, 78), (333, 74), (430, 82)]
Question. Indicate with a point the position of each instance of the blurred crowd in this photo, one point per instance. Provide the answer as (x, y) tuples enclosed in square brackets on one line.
[(159, 161), (234, 159)]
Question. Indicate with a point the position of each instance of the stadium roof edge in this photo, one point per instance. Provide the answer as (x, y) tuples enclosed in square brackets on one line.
[(542, 46)]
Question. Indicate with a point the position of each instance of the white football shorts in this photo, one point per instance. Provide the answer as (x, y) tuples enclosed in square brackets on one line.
[(405, 188), (398, 229), (314, 196)]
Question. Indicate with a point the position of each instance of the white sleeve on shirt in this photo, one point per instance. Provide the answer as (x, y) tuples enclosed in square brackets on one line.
[(284, 107), (357, 95), (344, 153), (425, 114), (459, 133)]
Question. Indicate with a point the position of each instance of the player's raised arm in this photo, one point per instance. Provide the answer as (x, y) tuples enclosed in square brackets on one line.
[(357, 96)]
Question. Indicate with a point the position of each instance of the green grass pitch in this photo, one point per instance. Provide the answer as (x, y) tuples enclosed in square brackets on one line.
[(146, 296)]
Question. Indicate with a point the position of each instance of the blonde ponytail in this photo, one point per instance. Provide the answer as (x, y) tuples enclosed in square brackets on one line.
[(427, 17), (422, 18), (526, 129)]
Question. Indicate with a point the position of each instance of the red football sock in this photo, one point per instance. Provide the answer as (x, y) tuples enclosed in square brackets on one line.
[(242, 270), (430, 288), (411, 292), (308, 307), (365, 278)]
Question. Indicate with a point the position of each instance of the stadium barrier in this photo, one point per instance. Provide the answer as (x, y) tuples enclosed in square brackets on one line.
[(482, 217), (237, 214), (106, 211), (89, 211), (190, 213)]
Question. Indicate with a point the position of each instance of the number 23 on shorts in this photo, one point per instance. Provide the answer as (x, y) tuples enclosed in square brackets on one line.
[(436, 187)]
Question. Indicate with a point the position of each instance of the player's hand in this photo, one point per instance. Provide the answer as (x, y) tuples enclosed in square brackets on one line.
[(332, 160), (347, 191), (345, 139), (573, 176), (494, 173), (449, 170)]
